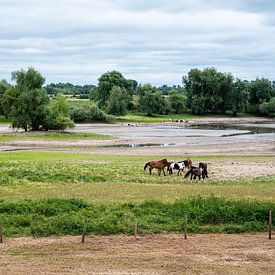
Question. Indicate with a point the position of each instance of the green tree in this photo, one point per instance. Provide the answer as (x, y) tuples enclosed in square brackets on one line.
[(152, 101), (118, 101), (4, 85), (59, 115), (105, 84), (238, 98), (207, 90), (177, 102), (260, 91), (26, 102), (268, 108)]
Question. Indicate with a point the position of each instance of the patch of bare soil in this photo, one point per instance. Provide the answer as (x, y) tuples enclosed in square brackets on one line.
[(225, 169), (151, 254)]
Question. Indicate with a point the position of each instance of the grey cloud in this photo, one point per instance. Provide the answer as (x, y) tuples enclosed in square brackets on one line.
[(152, 41)]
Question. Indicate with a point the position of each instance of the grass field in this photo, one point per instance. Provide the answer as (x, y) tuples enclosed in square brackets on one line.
[(51, 136), (108, 179), (61, 188)]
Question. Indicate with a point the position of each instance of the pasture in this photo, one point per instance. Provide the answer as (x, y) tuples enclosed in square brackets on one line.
[(50, 193)]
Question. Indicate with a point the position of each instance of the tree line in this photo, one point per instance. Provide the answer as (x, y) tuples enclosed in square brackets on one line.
[(31, 105), (205, 91)]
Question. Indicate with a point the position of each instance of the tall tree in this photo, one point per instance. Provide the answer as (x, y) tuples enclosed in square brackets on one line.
[(207, 90), (260, 91), (177, 102), (152, 101), (238, 98), (105, 84), (4, 85), (26, 102), (117, 102)]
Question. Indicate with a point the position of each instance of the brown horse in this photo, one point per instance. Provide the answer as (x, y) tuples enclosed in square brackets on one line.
[(158, 164), (187, 163)]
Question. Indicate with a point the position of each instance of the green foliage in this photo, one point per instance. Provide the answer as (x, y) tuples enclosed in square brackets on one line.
[(260, 91), (59, 216), (238, 99), (165, 89), (4, 85), (77, 91), (118, 101), (152, 101), (96, 114), (26, 102), (105, 84), (79, 114), (268, 108), (177, 102), (208, 90), (59, 117), (87, 111)]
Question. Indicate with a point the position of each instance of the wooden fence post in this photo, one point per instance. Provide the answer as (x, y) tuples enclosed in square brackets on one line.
[(270, 224), (1, 234), (84, 230), (135, 230), (185, 227)]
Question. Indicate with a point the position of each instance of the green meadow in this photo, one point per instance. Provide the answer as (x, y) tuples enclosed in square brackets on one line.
[(114, 191)]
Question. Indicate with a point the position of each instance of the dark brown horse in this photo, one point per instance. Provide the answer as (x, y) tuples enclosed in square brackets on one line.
[(158, 164), (197, 172)]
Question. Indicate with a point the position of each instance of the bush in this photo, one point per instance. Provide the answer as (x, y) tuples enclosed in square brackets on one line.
[(79, 114), (96, 114), (268, 108)]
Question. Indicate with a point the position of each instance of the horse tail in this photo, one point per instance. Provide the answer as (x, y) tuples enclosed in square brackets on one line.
[(188, 173), (147, 164)]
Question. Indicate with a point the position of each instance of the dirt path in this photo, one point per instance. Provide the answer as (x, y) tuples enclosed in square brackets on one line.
[(152, 254)]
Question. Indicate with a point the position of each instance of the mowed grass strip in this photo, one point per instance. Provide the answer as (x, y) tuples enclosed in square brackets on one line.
[(104, 179)]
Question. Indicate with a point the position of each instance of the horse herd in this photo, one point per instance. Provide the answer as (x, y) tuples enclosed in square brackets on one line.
[(160, 165)]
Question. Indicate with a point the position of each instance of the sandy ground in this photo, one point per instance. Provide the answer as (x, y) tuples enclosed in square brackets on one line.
[(151, 254)]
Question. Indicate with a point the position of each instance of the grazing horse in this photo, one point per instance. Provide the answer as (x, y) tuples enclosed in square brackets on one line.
[(158, 164), (176, 166), (196, 171), (187, 162), (204, 167)]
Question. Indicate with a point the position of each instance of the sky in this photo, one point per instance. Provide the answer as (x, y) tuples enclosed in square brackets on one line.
[(156, 41)]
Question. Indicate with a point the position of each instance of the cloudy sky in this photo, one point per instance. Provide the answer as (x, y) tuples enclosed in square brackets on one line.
[(156, 41)]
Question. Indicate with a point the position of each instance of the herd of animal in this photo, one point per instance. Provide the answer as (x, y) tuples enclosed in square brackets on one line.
[(193, 172)]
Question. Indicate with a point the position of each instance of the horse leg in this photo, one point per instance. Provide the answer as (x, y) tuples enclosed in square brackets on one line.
[(163, 172), (150, 171)]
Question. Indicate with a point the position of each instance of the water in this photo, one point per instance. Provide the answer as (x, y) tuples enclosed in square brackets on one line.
[(151, 135)]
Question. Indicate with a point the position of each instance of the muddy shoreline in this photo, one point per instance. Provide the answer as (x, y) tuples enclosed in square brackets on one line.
[(170, 138)]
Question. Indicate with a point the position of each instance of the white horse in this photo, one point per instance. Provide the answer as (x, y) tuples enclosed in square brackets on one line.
[(176, 166)]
